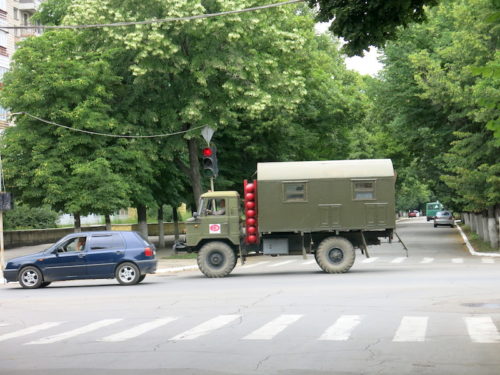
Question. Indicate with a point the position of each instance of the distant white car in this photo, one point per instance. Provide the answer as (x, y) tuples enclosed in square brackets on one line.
[(444, 218)]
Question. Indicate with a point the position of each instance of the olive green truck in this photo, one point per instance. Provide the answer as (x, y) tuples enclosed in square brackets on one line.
[(325, 208)]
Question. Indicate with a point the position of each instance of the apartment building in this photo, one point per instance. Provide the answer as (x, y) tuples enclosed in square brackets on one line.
[(13, 13)]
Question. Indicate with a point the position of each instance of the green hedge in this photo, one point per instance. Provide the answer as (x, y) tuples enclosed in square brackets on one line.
[(24, 217)]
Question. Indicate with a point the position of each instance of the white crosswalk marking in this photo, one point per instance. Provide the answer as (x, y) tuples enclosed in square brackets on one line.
[(206, 328), (76, 332), (398, 260), (488, 260), (457, 260), (369, 260), (482, 329), (411, 329), (254, 264), (342, 329), (4, 324), (29, 330), (271, 329), (281, 263), (137, 330), (427, 260)]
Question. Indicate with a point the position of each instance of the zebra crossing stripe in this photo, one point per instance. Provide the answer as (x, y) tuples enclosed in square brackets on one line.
[(137, 330), (76, 332), (457, 260), (411, 329), (398, 260), (205, 328), (281, 263), (29, 330), (4, 324), (482, 329), (271, 329), (254, 264), (369, 260), (342, 328), (488, 260), (427, 260)]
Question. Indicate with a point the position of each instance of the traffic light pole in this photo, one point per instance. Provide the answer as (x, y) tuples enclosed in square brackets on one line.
[(212, 183)]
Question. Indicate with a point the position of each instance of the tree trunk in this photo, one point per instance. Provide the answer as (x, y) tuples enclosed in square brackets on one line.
[(479, 225), (194, 170), (465, 216), (492, 228), (176, 223), (107, 219), (472, 216), (78, 223), (486, 234), (161, 228), (142, 220)]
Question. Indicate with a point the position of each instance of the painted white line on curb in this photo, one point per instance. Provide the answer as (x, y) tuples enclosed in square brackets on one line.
[(176, 269), (471, 249)]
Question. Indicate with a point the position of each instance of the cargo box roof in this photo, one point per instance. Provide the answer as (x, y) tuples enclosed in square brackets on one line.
[(306, 170), (220, 194)]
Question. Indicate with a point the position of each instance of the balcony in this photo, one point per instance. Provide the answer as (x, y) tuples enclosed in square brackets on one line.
[(28, 5)]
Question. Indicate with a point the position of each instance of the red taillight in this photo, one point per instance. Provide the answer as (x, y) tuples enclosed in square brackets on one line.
[(148, 252)]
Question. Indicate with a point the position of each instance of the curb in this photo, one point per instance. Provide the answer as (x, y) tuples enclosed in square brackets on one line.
[(175, 269), (471, 249)]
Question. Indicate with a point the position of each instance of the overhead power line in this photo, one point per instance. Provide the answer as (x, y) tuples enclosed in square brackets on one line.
[(154, 21), (103, 134)]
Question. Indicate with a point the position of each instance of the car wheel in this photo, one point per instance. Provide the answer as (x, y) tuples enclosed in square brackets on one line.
[(30, 278), (127, 274), (45, 284), (142, 277), (216, 259), (335, 255)]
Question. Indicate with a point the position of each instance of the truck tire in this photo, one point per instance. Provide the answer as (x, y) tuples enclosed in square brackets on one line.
[(335, 255), (216, 259)]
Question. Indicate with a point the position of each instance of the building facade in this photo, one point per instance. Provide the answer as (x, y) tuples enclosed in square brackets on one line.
[(13, 13)]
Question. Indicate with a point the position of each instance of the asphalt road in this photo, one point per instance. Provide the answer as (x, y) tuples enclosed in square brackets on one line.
[(434, 312)]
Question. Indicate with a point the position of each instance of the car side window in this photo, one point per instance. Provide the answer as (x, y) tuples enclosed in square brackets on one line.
[(74, 244), (106, 242)]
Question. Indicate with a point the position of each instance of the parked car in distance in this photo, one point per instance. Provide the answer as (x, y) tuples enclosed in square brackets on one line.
[(125, 256), (413, 213), (444, 218)]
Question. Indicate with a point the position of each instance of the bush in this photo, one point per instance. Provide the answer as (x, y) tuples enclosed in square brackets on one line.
[(24, 217)]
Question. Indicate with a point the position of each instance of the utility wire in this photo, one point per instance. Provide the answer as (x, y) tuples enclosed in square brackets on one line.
[(103, 134), (154, 21)]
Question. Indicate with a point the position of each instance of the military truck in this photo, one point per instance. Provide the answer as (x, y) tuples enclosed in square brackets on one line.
[(325, 208)]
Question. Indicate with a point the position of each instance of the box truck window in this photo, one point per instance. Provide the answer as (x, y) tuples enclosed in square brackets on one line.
[(364, 190)]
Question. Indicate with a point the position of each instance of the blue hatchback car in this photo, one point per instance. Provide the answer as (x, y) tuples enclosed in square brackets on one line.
[(125, 256)]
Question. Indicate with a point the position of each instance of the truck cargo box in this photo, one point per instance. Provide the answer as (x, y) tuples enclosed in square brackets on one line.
[(333, 195)]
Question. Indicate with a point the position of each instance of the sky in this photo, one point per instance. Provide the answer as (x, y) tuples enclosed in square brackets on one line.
[(367, 64)]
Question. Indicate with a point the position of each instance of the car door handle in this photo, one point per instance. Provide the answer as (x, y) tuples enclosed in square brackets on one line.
[(81, 255), (119, 252)]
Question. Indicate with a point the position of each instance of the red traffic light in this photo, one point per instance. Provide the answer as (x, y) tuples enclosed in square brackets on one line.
[(207, 152)]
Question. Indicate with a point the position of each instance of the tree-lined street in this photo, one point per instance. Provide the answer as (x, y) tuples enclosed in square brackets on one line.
[(435, 312)]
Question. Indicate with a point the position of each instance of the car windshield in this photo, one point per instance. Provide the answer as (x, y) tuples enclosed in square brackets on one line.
[(443, 213)]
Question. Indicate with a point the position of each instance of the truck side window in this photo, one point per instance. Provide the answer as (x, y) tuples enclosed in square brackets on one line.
[(364, 190), (294, 192)]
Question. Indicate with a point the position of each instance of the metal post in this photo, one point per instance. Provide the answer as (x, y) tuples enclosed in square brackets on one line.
[(2, 258), (212, 184)]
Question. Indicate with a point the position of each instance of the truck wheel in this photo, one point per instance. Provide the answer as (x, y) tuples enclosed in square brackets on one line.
[(216, 259), (335, 255)]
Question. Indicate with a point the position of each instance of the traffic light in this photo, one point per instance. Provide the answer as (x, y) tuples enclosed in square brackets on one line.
[(210, 160)]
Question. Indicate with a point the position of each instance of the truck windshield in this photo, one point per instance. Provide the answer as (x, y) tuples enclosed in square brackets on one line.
[(212, 206)]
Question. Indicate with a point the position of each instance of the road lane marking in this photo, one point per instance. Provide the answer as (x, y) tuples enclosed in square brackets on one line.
[(398, 260), (206, 328), (457, 260), (427, 260), (29, 330), (341, 330), (76, 332), (254, 264), (137, 330), (411, 329), (282, 263), (309, 262), (4, 324), (488, 260), (271, 329), (369, 260), (482, 329)]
